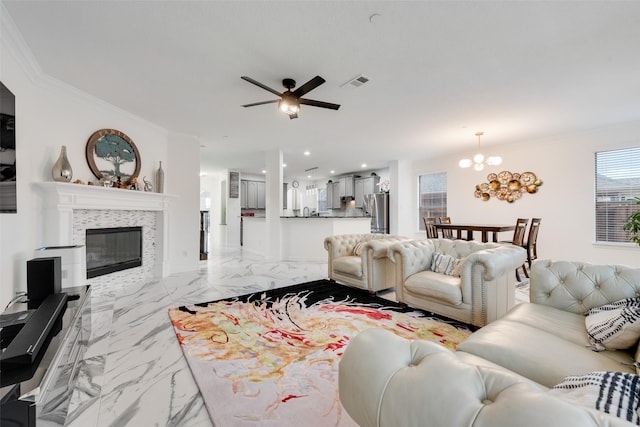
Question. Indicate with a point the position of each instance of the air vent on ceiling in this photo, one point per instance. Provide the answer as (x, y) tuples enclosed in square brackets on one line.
[(357, 81)]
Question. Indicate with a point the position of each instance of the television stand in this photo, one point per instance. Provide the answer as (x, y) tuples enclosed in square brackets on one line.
[(27, 386)]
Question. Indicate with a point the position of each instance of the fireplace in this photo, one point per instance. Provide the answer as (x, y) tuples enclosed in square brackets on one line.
[(112, 249)]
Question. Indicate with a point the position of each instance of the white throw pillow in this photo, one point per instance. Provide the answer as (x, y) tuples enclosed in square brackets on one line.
[(616, 393), (614, 326), (357, 249), (445, 264)]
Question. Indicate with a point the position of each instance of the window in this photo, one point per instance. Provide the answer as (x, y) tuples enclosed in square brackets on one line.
[(433, 196), (617, 182)]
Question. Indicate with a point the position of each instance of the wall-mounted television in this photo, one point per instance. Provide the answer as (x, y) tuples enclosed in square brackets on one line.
[(8, 199)]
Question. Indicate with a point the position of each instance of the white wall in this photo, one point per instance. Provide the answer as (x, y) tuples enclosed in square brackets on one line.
[(184, 217), (50, 114), (565, 201)]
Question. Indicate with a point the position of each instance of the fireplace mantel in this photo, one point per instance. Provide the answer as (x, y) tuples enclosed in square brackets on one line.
[(60, 200), (62, 196)]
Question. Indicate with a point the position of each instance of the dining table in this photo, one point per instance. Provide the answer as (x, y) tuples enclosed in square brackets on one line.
[(484, 230)]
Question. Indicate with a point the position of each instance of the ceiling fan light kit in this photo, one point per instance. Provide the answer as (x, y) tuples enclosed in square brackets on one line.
[(289, 101), (479, 160)]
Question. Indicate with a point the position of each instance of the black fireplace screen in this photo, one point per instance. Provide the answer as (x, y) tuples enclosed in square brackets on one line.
[(113, 249)]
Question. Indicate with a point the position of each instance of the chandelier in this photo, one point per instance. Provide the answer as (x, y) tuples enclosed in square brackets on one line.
[(479, 160)]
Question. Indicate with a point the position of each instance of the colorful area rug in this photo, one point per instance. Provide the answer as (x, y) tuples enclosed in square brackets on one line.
[(271, 358)]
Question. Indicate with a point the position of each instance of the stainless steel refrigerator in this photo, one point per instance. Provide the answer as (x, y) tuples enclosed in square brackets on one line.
[(377, 205)]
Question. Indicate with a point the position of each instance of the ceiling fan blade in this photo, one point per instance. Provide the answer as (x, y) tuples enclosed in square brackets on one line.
[(260, 103), (293, 116), (308, 86), (250, 80), (319, 103)]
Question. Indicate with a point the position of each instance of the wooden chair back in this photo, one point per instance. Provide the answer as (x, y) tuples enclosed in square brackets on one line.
[(519, 232), (430, 227), (532, 240), (447, 234)]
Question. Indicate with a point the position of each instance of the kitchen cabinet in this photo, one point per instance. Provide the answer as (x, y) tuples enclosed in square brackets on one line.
[(346, 186), (333, 195), (243, 194), (261, 195), (252, 194), (364, 186)]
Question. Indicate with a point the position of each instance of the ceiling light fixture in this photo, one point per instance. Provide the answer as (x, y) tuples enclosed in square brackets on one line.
[(289, 103), (479, 161)]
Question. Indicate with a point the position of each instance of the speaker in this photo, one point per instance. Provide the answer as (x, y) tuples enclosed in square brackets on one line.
[(44, 277)]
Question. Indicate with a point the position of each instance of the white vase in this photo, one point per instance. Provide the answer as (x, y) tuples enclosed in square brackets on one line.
[(62, 171)]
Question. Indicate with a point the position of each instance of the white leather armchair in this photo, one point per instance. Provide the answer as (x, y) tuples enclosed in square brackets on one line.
[(371, 270), (386, 380), (483, 292)]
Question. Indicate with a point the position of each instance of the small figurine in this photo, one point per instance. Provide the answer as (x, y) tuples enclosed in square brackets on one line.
[(133, 183), (147, 184)]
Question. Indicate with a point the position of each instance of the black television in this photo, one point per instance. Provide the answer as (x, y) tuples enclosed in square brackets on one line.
[(8, 196)]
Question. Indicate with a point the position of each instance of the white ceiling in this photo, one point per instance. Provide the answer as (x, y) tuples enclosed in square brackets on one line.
[(439, 71)]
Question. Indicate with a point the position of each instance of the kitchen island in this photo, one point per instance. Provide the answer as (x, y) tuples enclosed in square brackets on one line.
[(302, 238)]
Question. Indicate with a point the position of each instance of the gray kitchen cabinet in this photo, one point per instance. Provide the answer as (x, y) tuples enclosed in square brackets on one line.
[(252, 194), (364, 186), (261, 196), (346, 186), (243, 194), (333, 195)]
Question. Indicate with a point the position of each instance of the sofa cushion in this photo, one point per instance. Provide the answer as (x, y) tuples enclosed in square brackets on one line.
[(348, 264), (539, 355), (615, 325), (563, 324), (445, 264), (439, 287), (616, 393)]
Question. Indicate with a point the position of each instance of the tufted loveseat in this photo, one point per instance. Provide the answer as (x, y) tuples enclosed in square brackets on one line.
[(371, 269), (502, 374), (483, 291)]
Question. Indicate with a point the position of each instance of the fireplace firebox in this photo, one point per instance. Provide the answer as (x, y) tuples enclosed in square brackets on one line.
[(113, 249)]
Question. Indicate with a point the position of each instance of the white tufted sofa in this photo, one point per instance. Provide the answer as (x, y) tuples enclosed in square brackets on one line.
[(484, 291), (372, 270), (501, 375)]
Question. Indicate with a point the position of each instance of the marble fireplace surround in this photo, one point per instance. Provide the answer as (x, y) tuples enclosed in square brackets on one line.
[(69, 209)]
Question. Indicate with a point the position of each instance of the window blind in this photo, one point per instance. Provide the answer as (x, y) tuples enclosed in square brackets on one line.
[(617, 183), (433, 196)]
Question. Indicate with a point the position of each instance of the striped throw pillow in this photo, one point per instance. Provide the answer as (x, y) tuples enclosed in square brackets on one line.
[(616, 393), (445, 264), (614, 326), (357, 249)]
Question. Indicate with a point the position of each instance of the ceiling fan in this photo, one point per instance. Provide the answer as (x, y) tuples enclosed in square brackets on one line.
[(289, 101)]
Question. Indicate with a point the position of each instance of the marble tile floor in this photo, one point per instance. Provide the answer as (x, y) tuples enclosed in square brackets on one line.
[(133, 372)]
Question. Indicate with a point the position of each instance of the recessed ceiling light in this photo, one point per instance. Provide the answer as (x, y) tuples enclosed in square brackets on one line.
[(306, 153), (284, 165), (309, 176), (264, 171), (332, 172), (364, 165)]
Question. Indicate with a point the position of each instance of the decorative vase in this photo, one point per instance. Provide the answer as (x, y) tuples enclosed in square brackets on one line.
[(160, 179), (62, 171)]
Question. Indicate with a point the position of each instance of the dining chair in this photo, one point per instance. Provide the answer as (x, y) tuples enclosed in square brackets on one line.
[(519, 232), (447, 234), (430, 227), (518, 240), (532, 244)]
